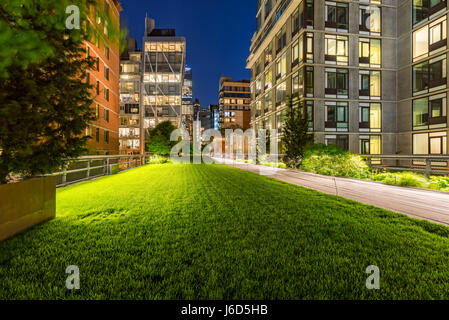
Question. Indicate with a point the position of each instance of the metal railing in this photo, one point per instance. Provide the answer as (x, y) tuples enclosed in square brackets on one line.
[(90, 167), (427, 164)]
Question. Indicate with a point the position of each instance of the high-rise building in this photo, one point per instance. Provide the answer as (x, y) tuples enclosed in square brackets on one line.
[(187, 100), (105, 79), (155, 86), (235, 103), (164, 61), (131, 112), (370, 75)]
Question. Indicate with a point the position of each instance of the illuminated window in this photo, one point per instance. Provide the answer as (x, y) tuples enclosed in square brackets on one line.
[(336, 49), (370, 20), (370, 145), (370, 84), (370, 117), (430, 112), (430, 39), (422, 9), (370, 52)]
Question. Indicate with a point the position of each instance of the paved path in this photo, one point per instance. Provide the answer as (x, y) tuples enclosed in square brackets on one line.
[(417, 203)]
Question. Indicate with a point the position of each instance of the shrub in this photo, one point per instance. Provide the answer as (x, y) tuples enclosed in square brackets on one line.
[(332, 160), (439, 183), (158, 160), (405, 179)]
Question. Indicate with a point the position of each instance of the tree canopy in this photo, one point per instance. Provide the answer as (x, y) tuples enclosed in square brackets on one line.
[(159, 139), (45, 101)]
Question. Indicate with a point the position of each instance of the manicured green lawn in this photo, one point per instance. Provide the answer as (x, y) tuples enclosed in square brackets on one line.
[(215, 232)]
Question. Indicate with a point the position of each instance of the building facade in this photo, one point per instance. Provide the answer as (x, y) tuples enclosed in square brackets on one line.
[(164, 61), (187, 101), (155, 86), (105, 80), (234, 103), (131, 113), (371, 75)]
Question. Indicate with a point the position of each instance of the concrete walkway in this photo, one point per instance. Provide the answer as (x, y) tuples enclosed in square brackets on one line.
[(417, 203)]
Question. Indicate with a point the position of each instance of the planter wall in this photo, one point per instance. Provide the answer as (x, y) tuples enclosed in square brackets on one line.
[(26, 204)]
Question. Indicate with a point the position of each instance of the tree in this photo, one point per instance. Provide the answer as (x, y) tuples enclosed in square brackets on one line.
[(159, 139), (296, 136), (45, 102)]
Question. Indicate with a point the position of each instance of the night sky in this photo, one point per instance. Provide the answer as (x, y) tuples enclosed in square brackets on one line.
[(218, 35)]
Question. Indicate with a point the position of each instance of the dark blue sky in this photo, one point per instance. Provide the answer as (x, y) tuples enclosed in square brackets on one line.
[(218, 35)]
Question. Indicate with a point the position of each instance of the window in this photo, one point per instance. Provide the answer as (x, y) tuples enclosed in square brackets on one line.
[(280, 119), (106, 73), (370, 52), (295, 85), (308, 83), (97, 134), (268, 55), (97, 88), (429, 76), (337, 83), (106, 51), (430, 39), (268, 102), (370, 145), (106, 137), (337, 16), (97, 111), (370, 117), (336, 49), (258, 87), (281, 94), (268, 79), (430, 143), (341, 141), (281, 39), (295, 54), (268, 8), (309, 113), (106, 115), (370, 20), (430, 112), (281, 66), (106, 94), (295, 23), (305, 47), (98, 64), (422, 9), (370, 84), (337, 116), (258, 109)]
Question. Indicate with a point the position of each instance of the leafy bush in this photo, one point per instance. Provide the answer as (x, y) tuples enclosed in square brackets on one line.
[(405, 179), (332, 160), (439, 183), (158, 160)]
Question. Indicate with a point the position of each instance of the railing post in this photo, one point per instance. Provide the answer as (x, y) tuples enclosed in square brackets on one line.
[(64, 174), (88, 168), (428, 168), (129, 161), (108, 171)]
